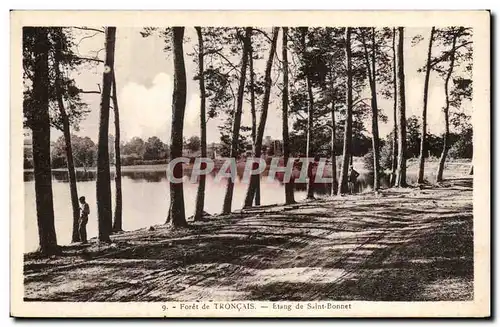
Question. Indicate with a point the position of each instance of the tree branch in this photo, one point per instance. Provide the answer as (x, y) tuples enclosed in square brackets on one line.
[(298, 113), (359, 100), (263, 33), (330, 126), (363, 102), (88, 29), (218, 52), (91, 92), (229, 84), (445, 56), (89, 59), (97, 52), (85, 37), (88, 92), (211, 51)]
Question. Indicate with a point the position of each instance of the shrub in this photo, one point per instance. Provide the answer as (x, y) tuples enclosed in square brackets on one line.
[(58, 162), (386, 156), (368, 160), (385, 159), (150, 162), (129, 159), (461, 149), (28, 164)]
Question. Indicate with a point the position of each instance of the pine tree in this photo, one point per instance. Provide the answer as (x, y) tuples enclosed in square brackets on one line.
[(103, 182), (176, 212)]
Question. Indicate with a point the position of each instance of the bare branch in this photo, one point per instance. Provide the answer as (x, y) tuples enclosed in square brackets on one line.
[(218, 52), (89, 92), (359, 100), (211, 51), (86, 37), (97, 52), (263, 33), (298, 113), (88, 29), (89, 59), (362, 102)]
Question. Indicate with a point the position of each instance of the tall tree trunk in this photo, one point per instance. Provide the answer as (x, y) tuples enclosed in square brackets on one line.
[(423, 133), (252, 93), (394, 110), (446, 146), (348, 120), (289, 191), (375, 136), (75, 237), (200, 196), (310, 112), (255, 179), (177, 212), (103, 183), (228, 198), (40, 127), (370, 67), (253, 112), (334, 157), (117, 223), (401, 170)]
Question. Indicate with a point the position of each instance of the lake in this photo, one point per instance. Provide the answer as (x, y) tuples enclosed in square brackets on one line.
[(145, 199)]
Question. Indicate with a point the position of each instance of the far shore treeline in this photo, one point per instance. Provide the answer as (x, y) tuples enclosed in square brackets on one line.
[(153, 151)]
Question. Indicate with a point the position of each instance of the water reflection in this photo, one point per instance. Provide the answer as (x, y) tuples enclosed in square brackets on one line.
[(146, 198), (364, 182), (63, 176)]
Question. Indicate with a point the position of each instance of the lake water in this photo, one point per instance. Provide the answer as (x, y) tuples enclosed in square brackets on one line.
[(145, 200)]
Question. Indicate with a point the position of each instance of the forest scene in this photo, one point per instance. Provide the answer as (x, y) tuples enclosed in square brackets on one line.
[(382, 114)]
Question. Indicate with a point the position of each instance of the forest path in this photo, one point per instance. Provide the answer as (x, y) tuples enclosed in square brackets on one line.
[(400, 245)]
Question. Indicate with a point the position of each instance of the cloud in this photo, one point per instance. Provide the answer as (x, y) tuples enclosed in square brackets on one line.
[(147, 111), (145, 85)]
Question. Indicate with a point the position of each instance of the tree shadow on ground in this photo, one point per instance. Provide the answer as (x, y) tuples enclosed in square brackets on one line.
[(363, 250), (420, 270)]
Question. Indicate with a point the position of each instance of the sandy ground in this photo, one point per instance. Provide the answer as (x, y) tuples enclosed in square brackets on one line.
[(400, 245)]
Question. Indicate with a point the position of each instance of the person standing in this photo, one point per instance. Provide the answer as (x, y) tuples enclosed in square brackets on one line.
[(311, 175), (353, 176), (84, 219)]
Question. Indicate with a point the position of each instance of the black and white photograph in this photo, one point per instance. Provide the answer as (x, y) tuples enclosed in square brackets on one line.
[(251, 167)]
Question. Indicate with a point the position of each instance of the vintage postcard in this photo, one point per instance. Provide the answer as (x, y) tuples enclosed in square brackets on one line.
[(250, 164)]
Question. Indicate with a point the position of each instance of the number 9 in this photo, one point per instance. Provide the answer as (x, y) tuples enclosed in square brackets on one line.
[(164, 307)]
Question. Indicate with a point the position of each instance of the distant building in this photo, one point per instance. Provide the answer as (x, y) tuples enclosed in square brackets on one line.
[(213, 150), (27, 149), (277, 146), (248, 150), (27, 136), (267, 141), (28, 146), (272, 147)]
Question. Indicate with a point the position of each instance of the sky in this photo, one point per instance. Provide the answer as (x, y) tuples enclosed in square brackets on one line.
[(144, 77)]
